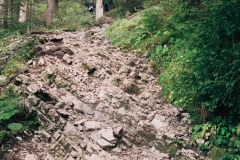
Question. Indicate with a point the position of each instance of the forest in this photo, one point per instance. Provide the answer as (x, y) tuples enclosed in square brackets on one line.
[(193, 45)]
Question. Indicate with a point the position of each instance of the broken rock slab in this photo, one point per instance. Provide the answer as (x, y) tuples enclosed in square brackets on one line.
[(159, 125), (23, 78), (101, 141), (92, 125), (67, 59), (107, 134), (41, 62), (63, 112), (49, 157), (80, 122), (31, 157), (33, 88)]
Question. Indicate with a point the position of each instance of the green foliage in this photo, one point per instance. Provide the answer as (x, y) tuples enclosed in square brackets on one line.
[(15, 126), (17, 62), (221, 134), (50, 76), (153, 19), (12, 111), (137, 33), (209, 74), (196, 48), (71, 15)]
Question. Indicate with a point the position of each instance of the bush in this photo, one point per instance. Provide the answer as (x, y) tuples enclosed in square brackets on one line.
[(208, 76), (153, 19)]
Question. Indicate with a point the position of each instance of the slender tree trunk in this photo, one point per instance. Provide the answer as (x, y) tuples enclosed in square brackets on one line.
[(99, 9), (1, 13), (47, 17), (23, 12), (5, 13)]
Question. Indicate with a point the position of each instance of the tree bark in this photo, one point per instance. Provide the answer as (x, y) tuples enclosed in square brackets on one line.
[(47, 17), (1, 13), (99, 9), (5, 13), (23, 12)]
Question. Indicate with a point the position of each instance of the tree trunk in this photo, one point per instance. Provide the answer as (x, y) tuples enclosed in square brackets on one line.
[(1, 13), (99, 9), (5, 13), (47, 17), (23, 12)]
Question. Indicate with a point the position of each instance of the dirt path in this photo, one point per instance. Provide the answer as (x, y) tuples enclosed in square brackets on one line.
[(97, 102)]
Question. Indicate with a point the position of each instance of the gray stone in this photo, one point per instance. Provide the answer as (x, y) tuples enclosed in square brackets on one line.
[(45, 135), (145, 55), (185, 115), (159, 125), (27, 132), (83, 145), (200, 141), (100, 141), (118, 131), (117, 150), (92, 125), (74, 154), (57, 135), (32, 101), (70, 158), (19, 138), (127, 142), (128, 85), (96, 147), (23, 78), (95, 157), (31, 157), (89, 148), (176, 111), (60, 105), (49, 157), (33, 88), (107, 134), (29, 62), (63, 112), (151, 115), (80, 128), (67, 59), (160, 117), (86, 109), (105, 156), (163, 155), (41, 62)]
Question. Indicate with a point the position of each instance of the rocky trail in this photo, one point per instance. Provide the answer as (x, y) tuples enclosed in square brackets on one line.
[(98, 102)]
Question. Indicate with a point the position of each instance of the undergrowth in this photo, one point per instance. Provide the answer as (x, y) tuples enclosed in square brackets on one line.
[(18, 60), (15, 117), (197, 57)]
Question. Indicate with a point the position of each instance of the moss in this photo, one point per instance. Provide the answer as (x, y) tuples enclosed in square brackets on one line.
[(147, 133), (125, 105), (216, 153)]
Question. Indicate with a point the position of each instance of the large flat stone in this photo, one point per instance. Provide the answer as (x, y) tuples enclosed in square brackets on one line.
[(159, 125), (100, 141), (92, 125), (107, 134), (31, 157)]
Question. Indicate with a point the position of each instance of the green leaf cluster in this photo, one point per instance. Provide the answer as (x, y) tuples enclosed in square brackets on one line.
[(14, 117), (222, 135)]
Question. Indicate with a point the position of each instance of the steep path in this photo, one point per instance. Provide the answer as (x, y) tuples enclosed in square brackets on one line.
[(97, 102)]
